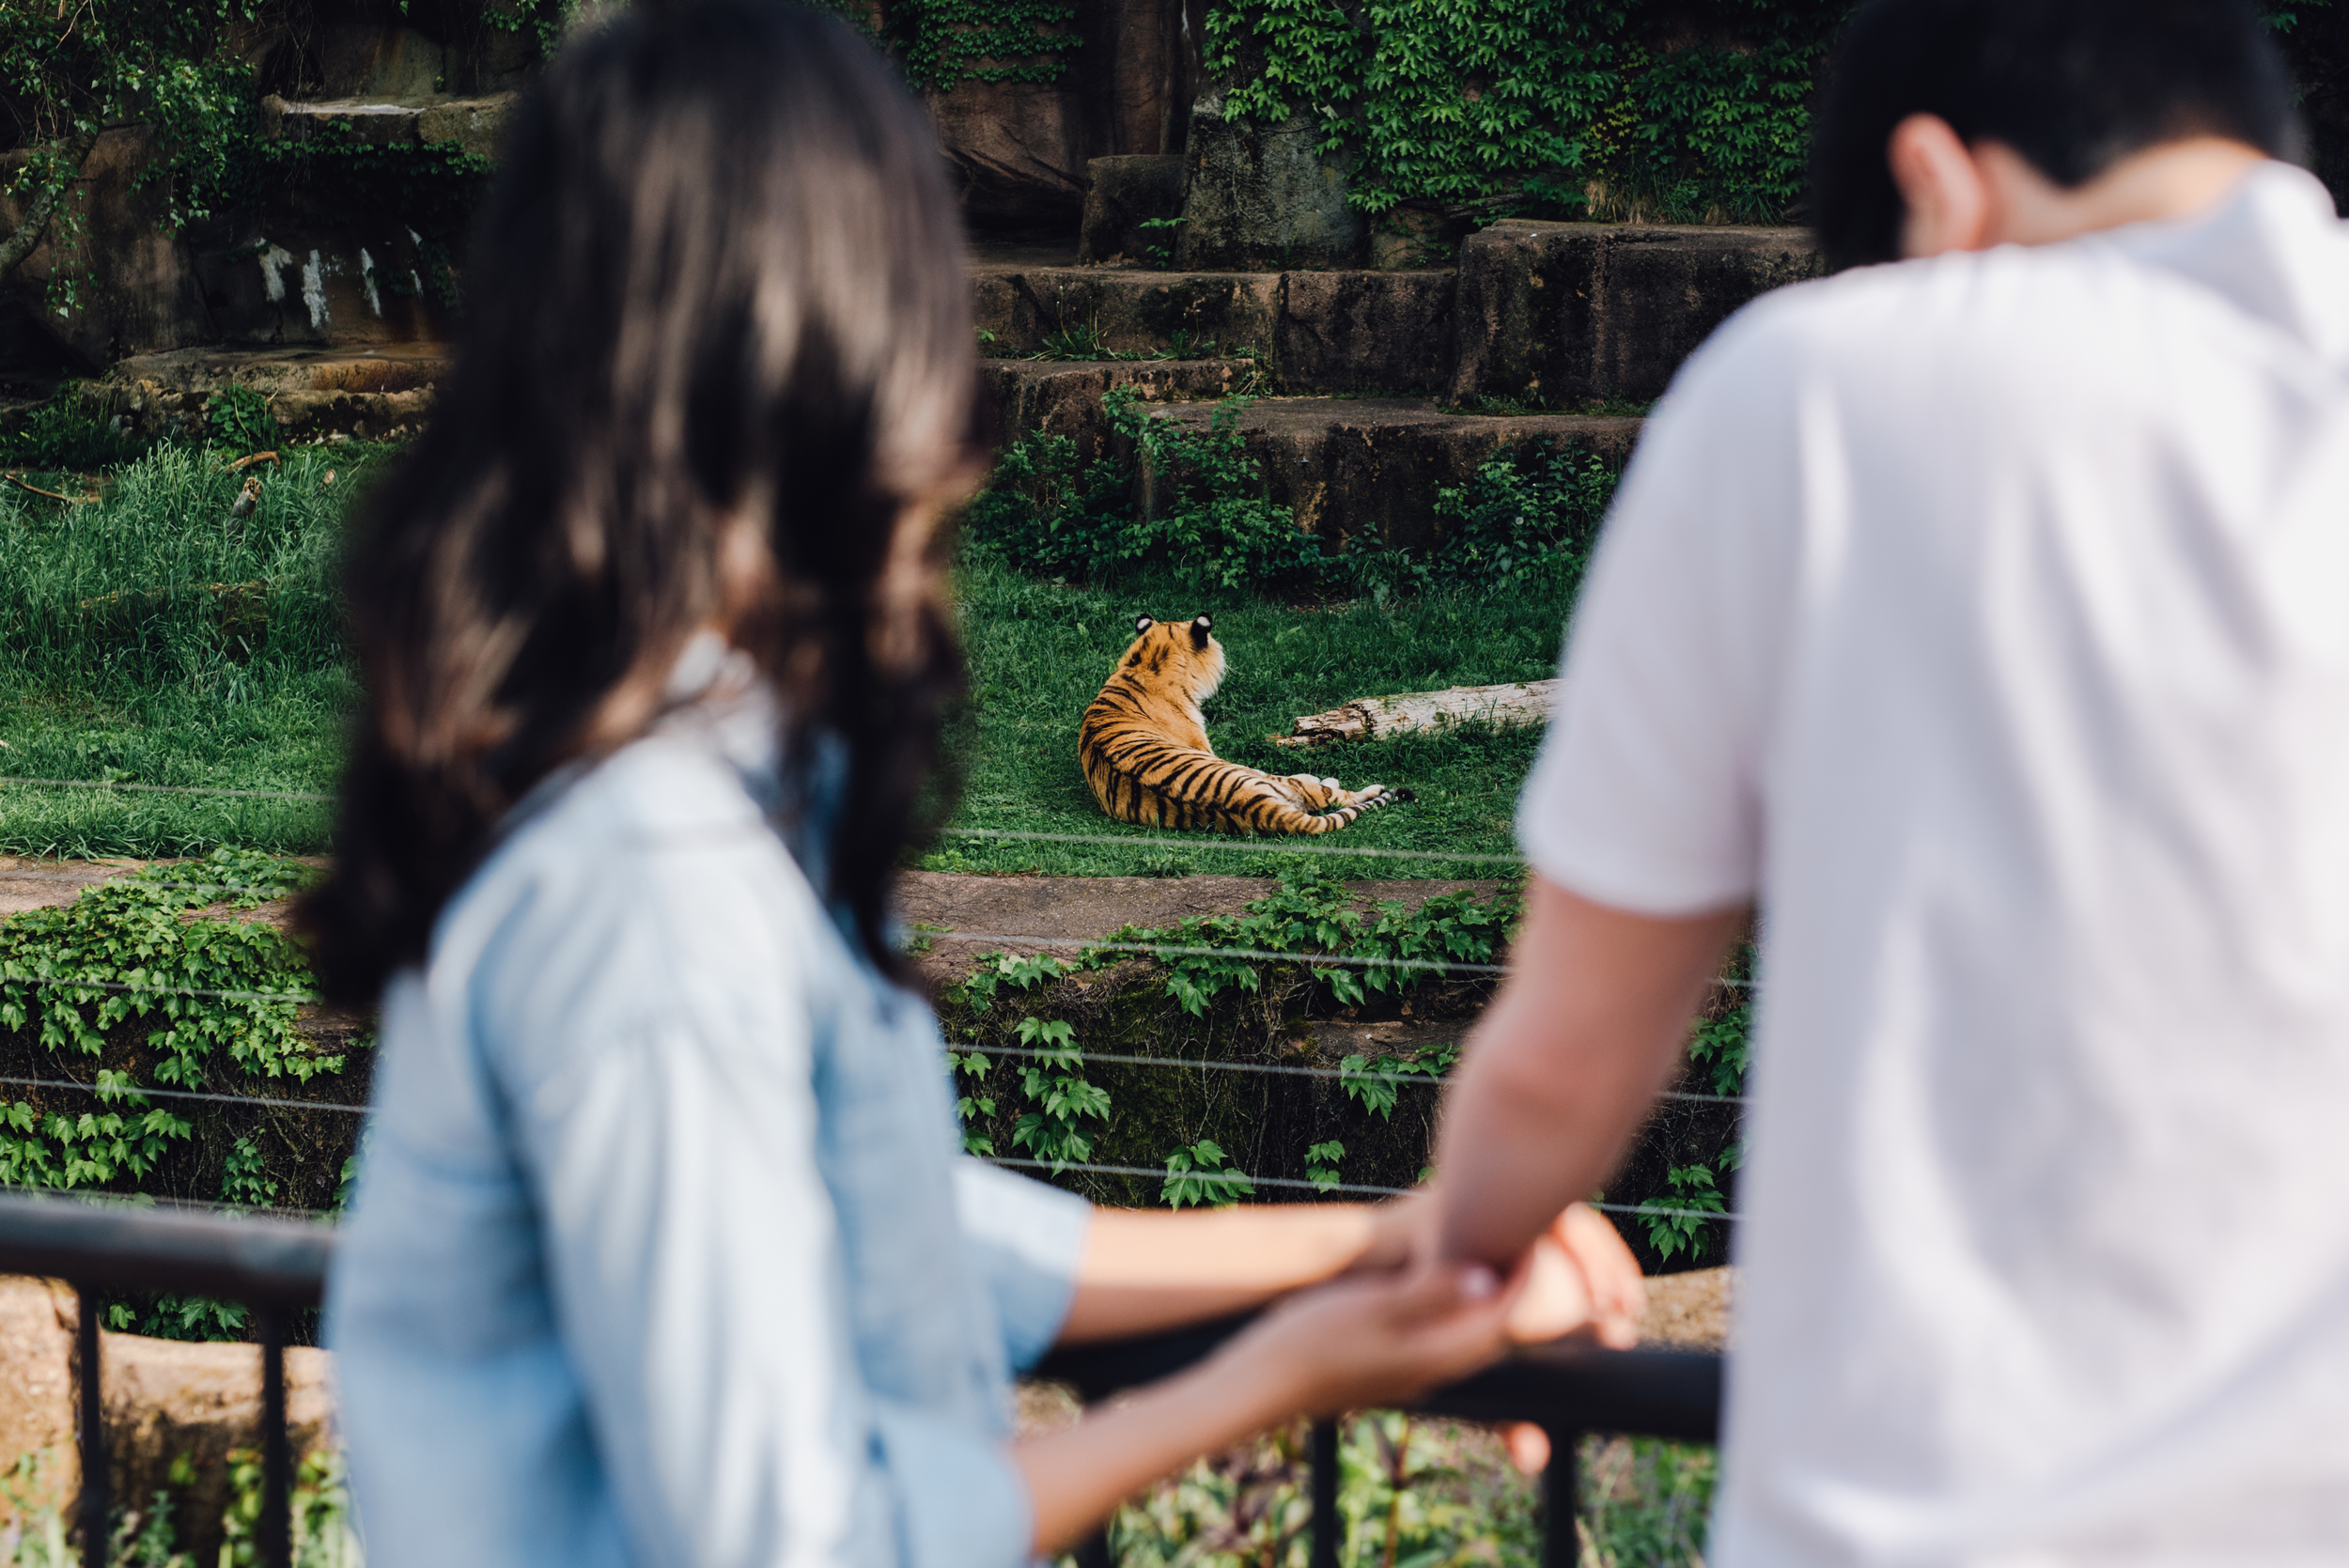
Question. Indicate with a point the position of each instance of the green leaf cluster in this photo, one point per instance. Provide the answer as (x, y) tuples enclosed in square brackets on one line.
[(1198, 1175)]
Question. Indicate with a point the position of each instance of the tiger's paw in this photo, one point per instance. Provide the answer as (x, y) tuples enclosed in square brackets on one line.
[(1379, 795)]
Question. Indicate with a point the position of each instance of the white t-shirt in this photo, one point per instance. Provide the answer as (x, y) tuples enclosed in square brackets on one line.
[(1987, 621)]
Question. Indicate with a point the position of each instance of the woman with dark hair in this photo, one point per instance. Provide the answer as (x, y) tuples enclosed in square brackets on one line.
[(662, 1251)]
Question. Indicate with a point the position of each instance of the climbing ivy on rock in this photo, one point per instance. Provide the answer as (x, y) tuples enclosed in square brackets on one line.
[(1570, 107), (940, 43)]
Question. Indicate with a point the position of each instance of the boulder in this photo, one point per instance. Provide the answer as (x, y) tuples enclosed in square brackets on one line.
[(167, 1402), (133, 287), (1559, 314), (164, 1401), (1310, 330), (1264, 196), (311, 392), (37, 1398), (1123, 194), (1018, 150)]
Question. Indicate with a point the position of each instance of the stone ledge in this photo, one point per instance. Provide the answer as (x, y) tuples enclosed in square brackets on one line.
[(1561, 312), (1312, 331), (1065, 398), (472, 124), (311, 392), (1369, 467)]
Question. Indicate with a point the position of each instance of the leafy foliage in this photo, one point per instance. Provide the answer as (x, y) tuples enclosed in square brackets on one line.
[(1046, 511), (1311, 916), (56, 968), (69, 71), (940, 43), (1198, 1175), (1674, 1224), (68, 431), (1321, 1165), (1525, 515), (241, 419), (1583, 107)]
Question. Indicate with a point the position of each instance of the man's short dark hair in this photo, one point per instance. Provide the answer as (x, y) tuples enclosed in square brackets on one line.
[(2074, 85)]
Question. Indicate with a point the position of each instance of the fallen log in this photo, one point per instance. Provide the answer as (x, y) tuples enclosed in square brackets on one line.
[(1524, 702)]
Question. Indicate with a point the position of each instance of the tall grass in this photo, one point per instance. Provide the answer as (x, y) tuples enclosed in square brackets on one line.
[(155, 637)]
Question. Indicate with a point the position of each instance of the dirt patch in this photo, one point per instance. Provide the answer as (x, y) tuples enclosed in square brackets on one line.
[(1690, 1311), (962, 916)]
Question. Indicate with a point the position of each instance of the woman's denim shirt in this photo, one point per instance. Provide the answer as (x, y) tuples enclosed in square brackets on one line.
[(662, 1251)]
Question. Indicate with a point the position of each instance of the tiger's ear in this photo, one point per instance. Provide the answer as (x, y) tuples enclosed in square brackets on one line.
[(1199, 629), (1142, 624), (1203, 623)]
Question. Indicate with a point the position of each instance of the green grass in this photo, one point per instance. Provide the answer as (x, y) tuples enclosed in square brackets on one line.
[(155, 638), (1040, 651)]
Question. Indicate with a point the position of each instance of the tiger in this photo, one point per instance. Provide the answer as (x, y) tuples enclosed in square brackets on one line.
[(1144, 749)]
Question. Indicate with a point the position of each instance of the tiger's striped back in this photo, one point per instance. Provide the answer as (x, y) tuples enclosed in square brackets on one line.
[(1143, 747)]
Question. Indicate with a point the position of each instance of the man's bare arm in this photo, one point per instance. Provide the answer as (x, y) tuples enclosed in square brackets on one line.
[(1566, 1061)]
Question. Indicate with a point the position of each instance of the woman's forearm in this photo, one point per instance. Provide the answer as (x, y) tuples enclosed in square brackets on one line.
[(1144, 1270), (1077, 1475)]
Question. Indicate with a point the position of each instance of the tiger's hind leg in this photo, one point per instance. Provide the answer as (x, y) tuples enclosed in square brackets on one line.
[(1317, 794)]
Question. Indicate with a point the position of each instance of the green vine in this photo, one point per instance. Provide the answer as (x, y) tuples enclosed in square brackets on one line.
[(58, 971), (940, 43)]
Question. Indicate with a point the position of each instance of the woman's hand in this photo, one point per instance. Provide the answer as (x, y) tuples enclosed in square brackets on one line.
[(1582, 1277), (1377, 1340)]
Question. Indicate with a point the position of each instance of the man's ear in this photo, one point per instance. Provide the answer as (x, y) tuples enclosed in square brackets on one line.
[(1947, 201)]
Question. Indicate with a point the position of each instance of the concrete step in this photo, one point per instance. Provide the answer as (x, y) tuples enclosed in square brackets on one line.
[(1565, 313), (1311, 331), (1016, 396), (1560, 314), (1369, 467)]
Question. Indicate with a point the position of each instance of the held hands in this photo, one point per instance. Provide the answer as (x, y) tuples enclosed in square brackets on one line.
[(1403, 1322), (1371, 1339), (1582, 1280)]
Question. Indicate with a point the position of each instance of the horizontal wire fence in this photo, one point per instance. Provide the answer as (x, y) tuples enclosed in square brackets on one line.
[(1158, 950)]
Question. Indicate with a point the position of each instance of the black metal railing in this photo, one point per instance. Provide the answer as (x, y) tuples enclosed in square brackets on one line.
[(1566, 1390), (278, 1266)]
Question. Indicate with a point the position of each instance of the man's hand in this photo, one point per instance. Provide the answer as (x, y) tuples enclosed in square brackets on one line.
[(1580, 1277)]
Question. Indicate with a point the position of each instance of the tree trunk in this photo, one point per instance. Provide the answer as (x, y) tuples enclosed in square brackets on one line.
[(1526, 701), (75, 151)]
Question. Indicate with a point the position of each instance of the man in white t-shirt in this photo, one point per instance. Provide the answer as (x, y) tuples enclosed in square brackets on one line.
[(1983, 620)]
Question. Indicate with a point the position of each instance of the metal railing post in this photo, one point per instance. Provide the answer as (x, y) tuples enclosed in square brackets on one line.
[(93, 1444), (1561, 1546), (1329, 1529), (276, 1532)]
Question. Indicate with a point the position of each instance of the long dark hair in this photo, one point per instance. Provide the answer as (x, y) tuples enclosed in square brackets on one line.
[(718, 335)]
